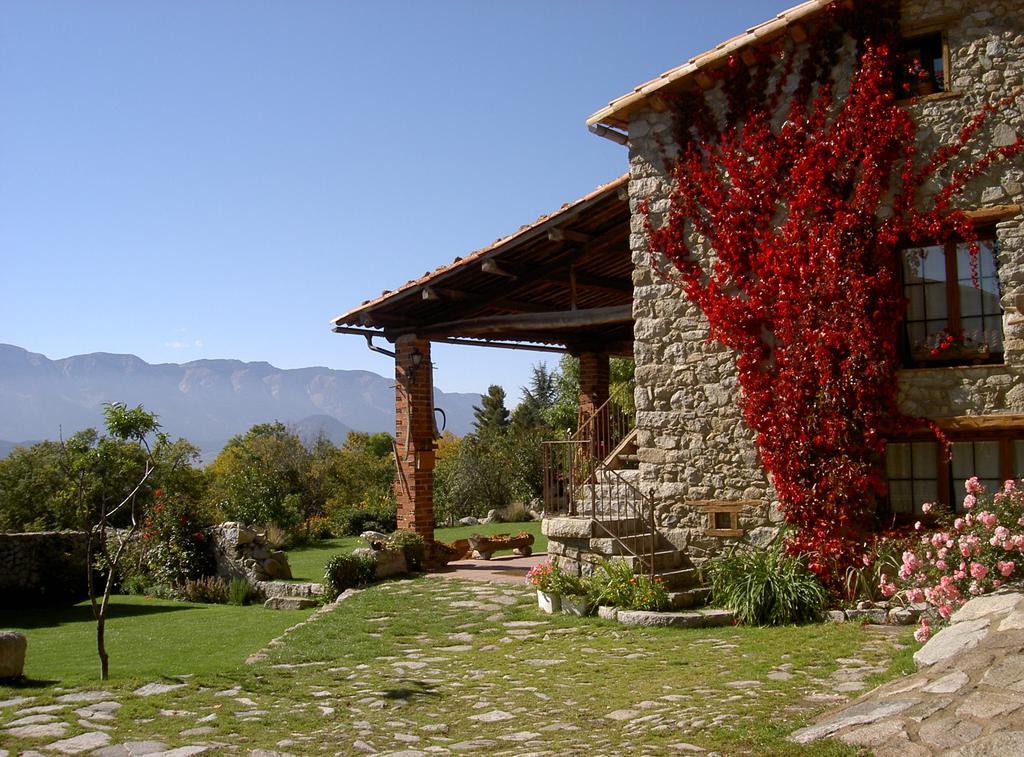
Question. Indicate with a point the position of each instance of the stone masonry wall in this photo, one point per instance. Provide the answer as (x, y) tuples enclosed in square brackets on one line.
[(693, 445), (43, 567)]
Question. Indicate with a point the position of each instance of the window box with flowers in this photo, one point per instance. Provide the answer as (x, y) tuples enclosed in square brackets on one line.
[(954, 315)]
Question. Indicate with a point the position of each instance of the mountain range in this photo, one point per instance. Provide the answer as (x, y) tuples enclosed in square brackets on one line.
[(205, 401)]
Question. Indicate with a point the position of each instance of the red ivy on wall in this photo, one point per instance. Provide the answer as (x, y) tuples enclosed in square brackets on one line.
[(804, 194)]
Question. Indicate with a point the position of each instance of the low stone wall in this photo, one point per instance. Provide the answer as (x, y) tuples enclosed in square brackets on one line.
[(241, 552), (43, 568)]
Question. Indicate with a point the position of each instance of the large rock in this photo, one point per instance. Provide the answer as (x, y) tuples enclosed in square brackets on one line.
[(390, 562), (289, 603), (12, 654)]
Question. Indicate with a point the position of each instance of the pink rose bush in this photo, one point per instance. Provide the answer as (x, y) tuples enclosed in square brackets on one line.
[(966, 555)]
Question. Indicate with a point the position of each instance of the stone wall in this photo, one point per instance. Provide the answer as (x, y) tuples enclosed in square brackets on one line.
[(693, 444), (43, 568), (240, 551)]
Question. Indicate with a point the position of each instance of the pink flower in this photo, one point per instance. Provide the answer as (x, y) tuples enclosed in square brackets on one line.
[(926, 507), (945, 611), (978, 570), (970, 501), (917, 526), (973, 485), (1008, 486), (988, 519), (940, 564), (923, 633), (915, 595), (1005, 567), (958, 523)]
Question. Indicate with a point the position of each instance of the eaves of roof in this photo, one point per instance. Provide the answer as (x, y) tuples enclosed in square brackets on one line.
[(525, 233), (617, 113)]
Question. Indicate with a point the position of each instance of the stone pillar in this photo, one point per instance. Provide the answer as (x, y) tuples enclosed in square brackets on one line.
[(594, 379), (414, 437)]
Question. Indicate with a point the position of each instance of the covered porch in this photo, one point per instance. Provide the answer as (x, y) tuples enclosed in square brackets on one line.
[(562, 284)]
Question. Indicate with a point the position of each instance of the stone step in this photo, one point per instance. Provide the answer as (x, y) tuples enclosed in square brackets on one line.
[(630, 475), (687, 598), (583, 527), (624, 545), (706, 618), (665, 561), (679, 579)]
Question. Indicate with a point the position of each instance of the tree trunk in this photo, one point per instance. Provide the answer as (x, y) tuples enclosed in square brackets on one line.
[(101, 647)]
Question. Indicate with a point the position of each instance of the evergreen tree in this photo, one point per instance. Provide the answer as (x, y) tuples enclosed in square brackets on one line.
[(491, 418)]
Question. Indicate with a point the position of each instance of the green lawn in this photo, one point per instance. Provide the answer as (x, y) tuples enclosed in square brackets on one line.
[(144, 637), (308, 562), (430, 662)]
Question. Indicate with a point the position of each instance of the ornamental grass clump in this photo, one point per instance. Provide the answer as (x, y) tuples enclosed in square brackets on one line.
[(766, 587), (966, 555)]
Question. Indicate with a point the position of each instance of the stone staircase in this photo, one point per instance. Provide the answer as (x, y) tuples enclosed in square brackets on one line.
[(604, 528)]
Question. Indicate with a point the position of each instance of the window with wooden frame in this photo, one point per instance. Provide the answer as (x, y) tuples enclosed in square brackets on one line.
[(918, 471), (924, 65), (954, 315)]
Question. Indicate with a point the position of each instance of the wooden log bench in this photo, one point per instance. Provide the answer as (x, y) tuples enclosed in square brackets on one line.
[(484, 546)]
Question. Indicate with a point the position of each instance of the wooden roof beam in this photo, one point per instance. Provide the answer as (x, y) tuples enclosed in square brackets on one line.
[(532, 322), (437, 294), (567, 235)]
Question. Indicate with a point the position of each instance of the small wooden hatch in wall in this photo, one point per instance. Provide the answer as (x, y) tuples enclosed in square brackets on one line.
[(723, 516)]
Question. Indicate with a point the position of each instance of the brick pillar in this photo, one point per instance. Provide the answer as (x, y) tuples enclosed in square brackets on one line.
[(594, 379), (414, 437)]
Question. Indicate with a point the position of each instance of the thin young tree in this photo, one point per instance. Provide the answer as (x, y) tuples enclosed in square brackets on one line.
[(105, 545)]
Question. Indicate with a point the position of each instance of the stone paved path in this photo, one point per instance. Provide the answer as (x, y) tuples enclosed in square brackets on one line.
[(498, 678), (966, 699)]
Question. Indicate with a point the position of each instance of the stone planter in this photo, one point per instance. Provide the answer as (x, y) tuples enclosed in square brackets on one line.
[(549, 603), (576, 604)]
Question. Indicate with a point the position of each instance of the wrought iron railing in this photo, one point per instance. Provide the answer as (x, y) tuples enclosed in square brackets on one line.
[(579, 482)]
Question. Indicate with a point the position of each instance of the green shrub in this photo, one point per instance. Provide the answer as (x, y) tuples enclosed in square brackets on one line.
[(411, 543), (766, 587), (239, 592), (347, 571), (614, 583), (172, 543), (352, 521), (210, 590), (135, 584)]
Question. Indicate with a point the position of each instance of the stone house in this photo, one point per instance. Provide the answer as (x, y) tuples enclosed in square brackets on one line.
[(699, 480)]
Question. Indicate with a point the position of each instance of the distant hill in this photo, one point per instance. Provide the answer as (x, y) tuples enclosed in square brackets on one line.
[(206, 401)]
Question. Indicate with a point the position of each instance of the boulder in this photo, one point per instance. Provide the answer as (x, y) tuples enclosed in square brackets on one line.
[(375, 539), (277, 568), (12, 654), (390, 562), (289, 603), (469, 520)]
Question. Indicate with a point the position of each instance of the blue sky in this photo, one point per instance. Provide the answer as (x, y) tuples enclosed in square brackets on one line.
[(215, 179)]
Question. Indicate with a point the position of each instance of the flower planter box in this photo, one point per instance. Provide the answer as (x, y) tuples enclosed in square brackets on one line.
[(954, 353), (573, 604), (549, 603)]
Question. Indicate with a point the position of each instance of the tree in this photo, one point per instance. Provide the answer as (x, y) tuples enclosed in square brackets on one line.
[(259, 477), (491, 417), (84, 459), (537, 399)]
